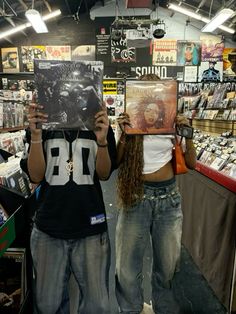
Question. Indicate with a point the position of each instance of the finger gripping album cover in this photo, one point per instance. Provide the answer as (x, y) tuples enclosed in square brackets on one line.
[(151, 106), (70, 92)]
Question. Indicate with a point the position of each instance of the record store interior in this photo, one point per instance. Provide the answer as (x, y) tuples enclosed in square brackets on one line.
[(97, 99)]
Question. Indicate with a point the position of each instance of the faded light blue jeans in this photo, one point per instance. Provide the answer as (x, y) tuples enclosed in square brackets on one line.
[(55, 259), (157, 217)]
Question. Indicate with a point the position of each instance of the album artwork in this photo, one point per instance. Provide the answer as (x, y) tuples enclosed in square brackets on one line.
[(13, 280), (152, 106), (229, 64), (10, 60), (83, 52), (164, 52), (212, 48), (29, 53), (188, 52), (58, 53), (70, 91)]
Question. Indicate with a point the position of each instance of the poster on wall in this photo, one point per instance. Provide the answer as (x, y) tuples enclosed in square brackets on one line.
[(103, 45), (151, 106), (188, 52), (29, 53), (120, 52), (164, 52), (58, 52), (212, 48), (10, 60), (83, 52), (211, 71), (229, 63), (113, 96), (164, 72), (190, 73)]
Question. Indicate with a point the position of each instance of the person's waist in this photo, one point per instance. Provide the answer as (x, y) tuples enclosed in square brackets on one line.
[(157, 184)]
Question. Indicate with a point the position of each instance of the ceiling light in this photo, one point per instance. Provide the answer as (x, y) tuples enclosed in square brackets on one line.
[(184, 11), (24, 26), (218, 20), (199, 17), (36, 21)]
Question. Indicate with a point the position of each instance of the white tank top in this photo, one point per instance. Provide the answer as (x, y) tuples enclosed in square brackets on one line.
[(157, 152)]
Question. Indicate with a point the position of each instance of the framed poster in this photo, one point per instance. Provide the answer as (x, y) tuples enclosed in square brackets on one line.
[(10, 60), (152, 106)]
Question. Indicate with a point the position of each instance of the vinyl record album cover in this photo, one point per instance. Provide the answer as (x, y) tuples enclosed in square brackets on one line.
[(70, 91), (13, 280), (152, 106)]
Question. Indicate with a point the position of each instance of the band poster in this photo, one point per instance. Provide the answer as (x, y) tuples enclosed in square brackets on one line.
[(188, 52), (29, 53), (212, 48), (229, 62), (164, 52), (120, 52), (10, 60), (83, 52), (151, 106), (58, 52)]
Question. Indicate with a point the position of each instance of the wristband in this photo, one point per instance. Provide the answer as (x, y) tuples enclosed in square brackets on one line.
[(100, 145), (36, 142)]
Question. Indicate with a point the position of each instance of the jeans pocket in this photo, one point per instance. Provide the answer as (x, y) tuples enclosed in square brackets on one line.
[(175, 199), (104, 239)]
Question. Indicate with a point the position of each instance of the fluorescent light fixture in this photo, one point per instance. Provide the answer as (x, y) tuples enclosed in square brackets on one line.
[(26, 25), (36, 21), (184, 11), (51, 15), (199, 17), (218, 20)]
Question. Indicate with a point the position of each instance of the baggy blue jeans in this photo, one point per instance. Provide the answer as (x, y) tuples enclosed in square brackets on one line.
[(157, 217), (54, 260)]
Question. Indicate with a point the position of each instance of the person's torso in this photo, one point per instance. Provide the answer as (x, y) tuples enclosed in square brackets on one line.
[(70, 204)]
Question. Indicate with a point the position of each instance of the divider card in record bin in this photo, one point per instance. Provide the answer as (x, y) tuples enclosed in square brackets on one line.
[(151, 106)]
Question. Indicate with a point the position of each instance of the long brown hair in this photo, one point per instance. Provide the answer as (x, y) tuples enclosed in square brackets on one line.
[(130, 183)]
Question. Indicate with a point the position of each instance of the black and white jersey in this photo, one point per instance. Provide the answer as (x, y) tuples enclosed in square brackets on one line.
[(70, 205)]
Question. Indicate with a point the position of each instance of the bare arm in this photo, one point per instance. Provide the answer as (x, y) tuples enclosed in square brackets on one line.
[(190, 154), (103, 161), (36, 162)]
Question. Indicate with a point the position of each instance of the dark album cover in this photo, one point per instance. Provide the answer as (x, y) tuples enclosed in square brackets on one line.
[(13, 281), (70, 91), (152, 106)]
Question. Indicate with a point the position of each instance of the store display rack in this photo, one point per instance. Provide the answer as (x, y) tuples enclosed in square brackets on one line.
[(215, 175)]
